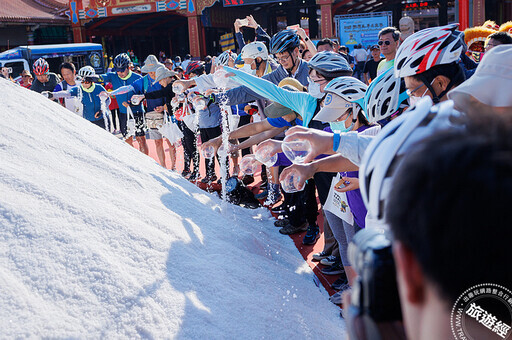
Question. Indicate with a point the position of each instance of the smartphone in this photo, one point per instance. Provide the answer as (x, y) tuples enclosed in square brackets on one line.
[(244, 22)]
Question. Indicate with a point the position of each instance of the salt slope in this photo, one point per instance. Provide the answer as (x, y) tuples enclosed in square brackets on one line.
[(97, 240)]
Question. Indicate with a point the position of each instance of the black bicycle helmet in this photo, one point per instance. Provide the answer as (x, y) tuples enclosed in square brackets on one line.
[(121, 62)]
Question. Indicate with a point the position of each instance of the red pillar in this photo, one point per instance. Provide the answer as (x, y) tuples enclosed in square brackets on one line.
[(463, 14), (478, 12), (196, 36), (326, 18)]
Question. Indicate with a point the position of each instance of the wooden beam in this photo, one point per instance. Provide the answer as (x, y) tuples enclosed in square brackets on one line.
[(100, 22), (364, 5), (337, 5)]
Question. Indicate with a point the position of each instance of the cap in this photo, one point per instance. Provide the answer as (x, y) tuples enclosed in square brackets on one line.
[(276, 110), (334, 107), (163, 72), (151, 64), (26, 73)]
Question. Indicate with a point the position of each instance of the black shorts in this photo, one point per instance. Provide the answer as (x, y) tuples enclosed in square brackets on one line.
[(140, 124)]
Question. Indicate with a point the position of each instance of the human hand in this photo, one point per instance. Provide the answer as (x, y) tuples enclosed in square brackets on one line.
[(208, 92), (237, 25), (301, 32), (125, 104), (251, 22), (321, 141), (347, 184), (304, 172), (274, 146), (97, 114), (47, 94), (215, 143), (159, 109), (184, 84)]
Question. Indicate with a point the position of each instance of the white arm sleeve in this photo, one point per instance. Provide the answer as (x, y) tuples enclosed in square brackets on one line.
[(122, 90), (61, 94), (353, 145), (207, 81)]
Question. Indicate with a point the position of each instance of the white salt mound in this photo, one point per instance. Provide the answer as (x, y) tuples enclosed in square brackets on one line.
[(98, 241)]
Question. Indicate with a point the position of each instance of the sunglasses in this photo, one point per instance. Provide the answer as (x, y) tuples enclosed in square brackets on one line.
[(382, 42), (86, 81)]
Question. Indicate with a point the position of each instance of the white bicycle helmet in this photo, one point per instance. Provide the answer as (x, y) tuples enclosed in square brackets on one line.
[(350, 90), (428, 48), (254, 50), (223, 58), (86, 71), (383, 96), (385, 153), (330, 64)]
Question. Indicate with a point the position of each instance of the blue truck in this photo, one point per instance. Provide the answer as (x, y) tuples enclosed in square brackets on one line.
[(23, 57)]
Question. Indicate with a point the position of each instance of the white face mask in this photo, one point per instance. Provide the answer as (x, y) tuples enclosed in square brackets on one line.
[(414, 99), (314, 89), (247, 69)]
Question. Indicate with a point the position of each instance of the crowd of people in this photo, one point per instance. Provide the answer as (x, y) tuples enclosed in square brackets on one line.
[(285, 93)]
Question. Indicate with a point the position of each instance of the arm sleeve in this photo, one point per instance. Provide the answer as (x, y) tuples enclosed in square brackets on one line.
[(105, 78), (278, 122), (353, 145), (240, 40), (261, 35), (156, 94), (63, 94), (122, 90), (207, 81), (57, 88), (300, 102)]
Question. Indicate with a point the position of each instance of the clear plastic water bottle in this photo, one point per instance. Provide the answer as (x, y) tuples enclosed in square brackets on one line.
[(290, 183), (178, 88), (137, 98), (262, 155), (296, 150), (199, 103), (209, 152), (249, 165)]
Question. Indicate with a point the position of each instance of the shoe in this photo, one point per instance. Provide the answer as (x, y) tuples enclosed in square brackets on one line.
[(320, 256), (185, 173), (262, 195), (339, 283), (278, 209), (209, 179), (338, 297), (329, 260), (312, 235), (281, 223), (194, 176), (247, 179), (335, 269), (272, 199), (289, 229)]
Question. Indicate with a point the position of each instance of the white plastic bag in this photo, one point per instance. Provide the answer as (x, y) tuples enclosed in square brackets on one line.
[(337, 202), (130, 123), (170, 130)]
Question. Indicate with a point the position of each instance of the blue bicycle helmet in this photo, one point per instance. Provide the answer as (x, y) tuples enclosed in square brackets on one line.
[(284, 41)]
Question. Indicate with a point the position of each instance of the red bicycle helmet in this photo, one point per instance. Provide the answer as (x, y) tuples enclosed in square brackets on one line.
[(41, 67)]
